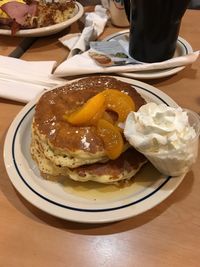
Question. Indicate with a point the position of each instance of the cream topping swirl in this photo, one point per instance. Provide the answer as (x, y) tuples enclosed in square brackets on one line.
[(158, 128)]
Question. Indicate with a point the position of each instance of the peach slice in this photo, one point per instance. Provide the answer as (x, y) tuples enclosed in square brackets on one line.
[(106, 116), (119, 102), (95, 108), (89, 113), (111, 137)]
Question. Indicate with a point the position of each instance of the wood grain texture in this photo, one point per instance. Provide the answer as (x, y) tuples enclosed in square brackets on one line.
[(8, 44), (167, 235)]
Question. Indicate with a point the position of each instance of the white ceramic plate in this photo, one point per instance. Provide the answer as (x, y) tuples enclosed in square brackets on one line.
[(183, 48), (84, 202), (45, 31)]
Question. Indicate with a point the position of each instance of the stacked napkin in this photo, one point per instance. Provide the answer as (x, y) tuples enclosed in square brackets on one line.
[(23, 80)]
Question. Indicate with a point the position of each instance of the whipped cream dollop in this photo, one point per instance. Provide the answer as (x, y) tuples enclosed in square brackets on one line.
[(163, 134), (156, 128)]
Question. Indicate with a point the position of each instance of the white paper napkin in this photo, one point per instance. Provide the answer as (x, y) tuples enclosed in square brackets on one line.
[(94, 25), (22, 80), (84, 64)]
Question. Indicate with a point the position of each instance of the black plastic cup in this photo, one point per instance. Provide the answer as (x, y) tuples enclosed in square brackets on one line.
[(154, 28)]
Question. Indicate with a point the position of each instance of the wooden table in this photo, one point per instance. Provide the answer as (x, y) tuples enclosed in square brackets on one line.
[(167, 235), (8, 44)]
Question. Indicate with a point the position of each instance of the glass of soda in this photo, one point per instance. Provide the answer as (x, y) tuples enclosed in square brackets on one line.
[(154, 28)]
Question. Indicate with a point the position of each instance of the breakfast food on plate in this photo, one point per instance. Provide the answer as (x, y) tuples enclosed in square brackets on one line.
[(75, 131), (27, 14), (167, 136)]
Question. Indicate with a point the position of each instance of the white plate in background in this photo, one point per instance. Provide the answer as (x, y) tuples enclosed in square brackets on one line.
[(45, 31), (183, 48)]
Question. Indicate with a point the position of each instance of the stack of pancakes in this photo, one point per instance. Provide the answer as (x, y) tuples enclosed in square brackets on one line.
[(77, 152)]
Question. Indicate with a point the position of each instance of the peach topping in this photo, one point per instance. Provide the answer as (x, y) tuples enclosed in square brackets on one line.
[(94, 112), (111, 137), (89, 113), (118, 102)]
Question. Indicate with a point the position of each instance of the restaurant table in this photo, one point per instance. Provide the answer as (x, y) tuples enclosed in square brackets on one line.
[(166, 235), (8, 45)]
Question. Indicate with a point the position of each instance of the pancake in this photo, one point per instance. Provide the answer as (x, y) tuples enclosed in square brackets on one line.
[(60, 142), (110, 172), (64, 151)]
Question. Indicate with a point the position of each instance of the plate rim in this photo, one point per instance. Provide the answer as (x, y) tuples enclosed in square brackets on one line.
[(88, 217), (156, 74), (48, 30)]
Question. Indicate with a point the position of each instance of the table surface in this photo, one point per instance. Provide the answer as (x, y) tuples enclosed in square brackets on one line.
[(167, 235), (8, 44)]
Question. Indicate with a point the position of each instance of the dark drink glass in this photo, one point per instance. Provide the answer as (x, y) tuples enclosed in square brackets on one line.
[(154, 28)]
